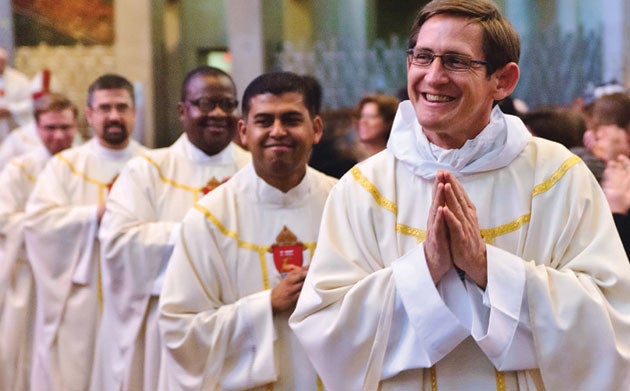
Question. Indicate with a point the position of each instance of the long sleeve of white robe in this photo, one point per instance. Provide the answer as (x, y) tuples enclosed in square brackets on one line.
[(215, 309), (361, 326), (137, 235), (17, 316)]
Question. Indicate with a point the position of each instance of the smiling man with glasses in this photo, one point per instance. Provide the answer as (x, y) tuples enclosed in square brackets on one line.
[(63, 215), (137, 235), (468, 255)]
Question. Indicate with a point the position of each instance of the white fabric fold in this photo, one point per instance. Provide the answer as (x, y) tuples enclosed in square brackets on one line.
[(495, 147)]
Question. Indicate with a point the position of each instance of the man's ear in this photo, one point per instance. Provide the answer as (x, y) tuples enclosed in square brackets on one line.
[(241, 128), (318, 129), (506, 80)]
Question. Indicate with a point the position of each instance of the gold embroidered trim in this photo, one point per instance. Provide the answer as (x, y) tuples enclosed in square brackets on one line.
[(369, 186), (320, 384), (489, 234), (555, 177), (101, 199), (101, 185), (417, 233), (26, 173), (499, 378), (195, 190), (434, 385), (261, 250)]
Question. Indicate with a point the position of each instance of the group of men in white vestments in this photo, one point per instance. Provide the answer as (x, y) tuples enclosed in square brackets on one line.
[(243, 252), (138, 231)]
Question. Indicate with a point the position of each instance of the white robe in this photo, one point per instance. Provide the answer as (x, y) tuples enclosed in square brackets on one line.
[(17, 316), (15, 96), (555, 312), (61, 239), (137, 234), (216, 320)]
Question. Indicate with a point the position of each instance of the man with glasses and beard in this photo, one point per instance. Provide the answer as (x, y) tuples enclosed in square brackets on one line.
[(63, 215), (151, 196)]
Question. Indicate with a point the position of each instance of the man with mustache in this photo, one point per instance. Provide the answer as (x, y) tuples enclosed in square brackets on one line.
[(143, 214), (62, 219), (241, 257)]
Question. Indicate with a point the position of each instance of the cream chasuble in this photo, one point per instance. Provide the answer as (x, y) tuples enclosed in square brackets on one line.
[(555, 314), (17, 316), (61, 240), (144, 210), (215, 309)]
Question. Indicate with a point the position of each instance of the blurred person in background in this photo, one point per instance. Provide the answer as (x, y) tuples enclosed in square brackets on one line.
[(611, 118), (16, 107), (376, 114)]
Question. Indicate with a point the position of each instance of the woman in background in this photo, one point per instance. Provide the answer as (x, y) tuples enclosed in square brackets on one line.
[(376, 116)]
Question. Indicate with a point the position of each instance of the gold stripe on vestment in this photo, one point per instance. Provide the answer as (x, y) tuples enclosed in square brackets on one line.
[(26, 173), (195, 190), (488, 234), (261, 250), (369, 186), (555, 177), (101, 185)]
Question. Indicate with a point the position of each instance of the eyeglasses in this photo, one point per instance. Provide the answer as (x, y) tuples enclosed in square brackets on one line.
[(206, 105), (450, 61), (105, 109)]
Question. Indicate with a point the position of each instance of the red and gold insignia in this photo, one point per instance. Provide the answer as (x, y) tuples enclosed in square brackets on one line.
[(287, 251), (111, 183), (211, 185)]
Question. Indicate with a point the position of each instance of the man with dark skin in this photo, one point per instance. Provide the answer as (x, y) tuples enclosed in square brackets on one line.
[(138, 231)]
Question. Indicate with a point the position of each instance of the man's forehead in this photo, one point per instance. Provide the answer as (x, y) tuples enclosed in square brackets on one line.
[(290, 98), (111, 94), (57, 114)]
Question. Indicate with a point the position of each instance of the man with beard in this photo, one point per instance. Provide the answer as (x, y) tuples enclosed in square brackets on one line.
[(56, 126), (62, 219), (242, 254), (143, 213)]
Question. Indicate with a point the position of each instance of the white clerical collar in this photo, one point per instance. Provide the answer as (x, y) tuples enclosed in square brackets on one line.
[(199, 156), (500, 142), (268, 194), (112, 154)]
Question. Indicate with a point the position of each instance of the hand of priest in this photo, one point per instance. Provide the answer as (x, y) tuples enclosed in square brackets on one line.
[(467, 248), (285, 295)]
